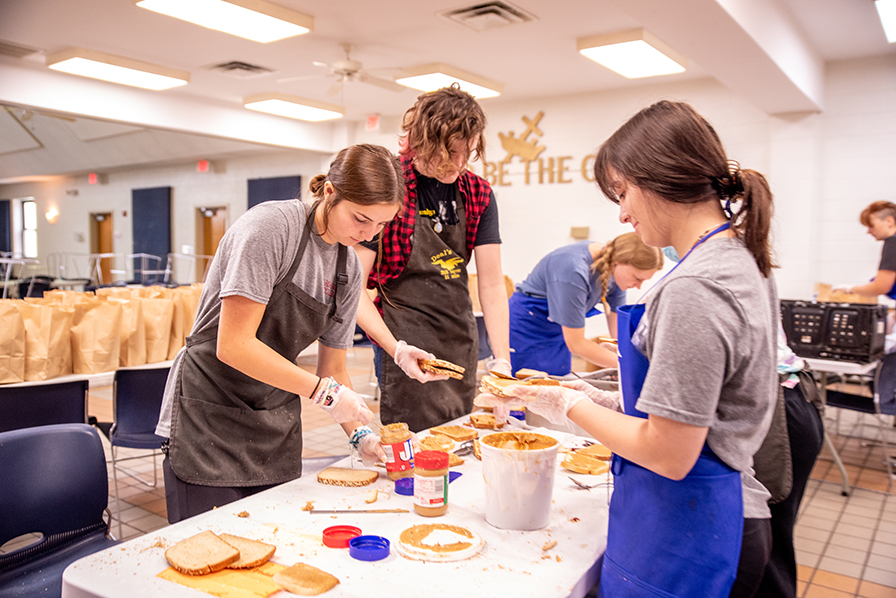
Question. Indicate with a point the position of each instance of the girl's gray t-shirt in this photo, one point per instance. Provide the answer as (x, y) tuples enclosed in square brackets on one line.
[(256, 253), (709, 331)]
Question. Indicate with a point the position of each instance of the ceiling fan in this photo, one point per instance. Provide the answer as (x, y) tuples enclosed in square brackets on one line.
[(347, 71)]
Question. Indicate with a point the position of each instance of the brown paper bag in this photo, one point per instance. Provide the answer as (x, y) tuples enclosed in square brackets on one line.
[(157, 317), (63, 296), (48, 346), (133, 333), (12, 343), (96, 337), (176, 340), (117, 292)]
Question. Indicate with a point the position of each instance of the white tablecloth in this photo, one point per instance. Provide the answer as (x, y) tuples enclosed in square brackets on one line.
[(512, 563)]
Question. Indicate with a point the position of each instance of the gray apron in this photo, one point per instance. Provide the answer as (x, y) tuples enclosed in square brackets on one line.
[(228, 429), (429, 306)]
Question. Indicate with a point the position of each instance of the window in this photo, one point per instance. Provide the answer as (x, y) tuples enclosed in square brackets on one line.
[(29, 228)]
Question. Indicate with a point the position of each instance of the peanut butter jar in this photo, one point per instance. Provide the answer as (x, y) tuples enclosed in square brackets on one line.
[(431, 483), (396, 440)]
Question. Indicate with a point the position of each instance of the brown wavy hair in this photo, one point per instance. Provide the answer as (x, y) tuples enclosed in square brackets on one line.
[(362, 174), (626, 249), (880, 210), (671, 151), (437, 121)]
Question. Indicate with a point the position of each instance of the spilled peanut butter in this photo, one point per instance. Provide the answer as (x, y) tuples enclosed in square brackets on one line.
[(415, 536)]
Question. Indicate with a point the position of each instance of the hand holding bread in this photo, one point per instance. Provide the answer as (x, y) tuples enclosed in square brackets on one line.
[(407, 358)]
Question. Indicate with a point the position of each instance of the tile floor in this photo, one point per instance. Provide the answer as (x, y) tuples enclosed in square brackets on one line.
[(846, 545)]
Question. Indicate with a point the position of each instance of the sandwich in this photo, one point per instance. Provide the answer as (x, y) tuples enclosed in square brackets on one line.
[(458, 433), (203, 553), (598, 451), (343, 476), (495, 386), (485, 421), (305, 580), (442, 368), (580, 462), (437, 442)]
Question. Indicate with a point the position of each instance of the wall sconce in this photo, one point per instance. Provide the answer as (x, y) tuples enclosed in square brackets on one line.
[(431, 77), (289, 106), (52, 215), (633, 54), (116, 69), (257, 20)]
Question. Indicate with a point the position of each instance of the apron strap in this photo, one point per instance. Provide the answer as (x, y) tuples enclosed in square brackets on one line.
[(283, 283), (341, 282)]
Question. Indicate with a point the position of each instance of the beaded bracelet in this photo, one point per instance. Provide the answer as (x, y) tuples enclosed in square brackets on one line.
[(358, 434), (326, 392)]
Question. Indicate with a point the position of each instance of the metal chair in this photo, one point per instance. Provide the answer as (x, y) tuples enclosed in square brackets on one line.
[(54, 484), (26, 406), (136, 404), (882, 403)]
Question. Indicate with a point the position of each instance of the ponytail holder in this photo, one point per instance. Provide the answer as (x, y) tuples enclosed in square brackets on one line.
[(729, 187)]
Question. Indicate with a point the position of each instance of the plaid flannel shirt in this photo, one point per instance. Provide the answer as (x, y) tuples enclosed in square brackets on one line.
[(476, 193)]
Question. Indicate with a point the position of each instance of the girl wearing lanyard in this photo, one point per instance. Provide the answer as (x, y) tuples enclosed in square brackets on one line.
[(548, 309), (697, 367)]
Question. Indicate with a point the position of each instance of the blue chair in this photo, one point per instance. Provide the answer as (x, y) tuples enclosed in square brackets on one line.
[(43, 404), (136, 404), (54, 483)]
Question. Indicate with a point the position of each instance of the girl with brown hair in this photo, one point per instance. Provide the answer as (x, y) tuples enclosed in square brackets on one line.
[(548, 309), (697, 367), (880, 220), (282, 278)]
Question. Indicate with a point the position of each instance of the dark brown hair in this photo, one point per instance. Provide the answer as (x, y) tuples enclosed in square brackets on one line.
[(361, 174), (880, 210), (671, 151), (437, 121), (626, 249)]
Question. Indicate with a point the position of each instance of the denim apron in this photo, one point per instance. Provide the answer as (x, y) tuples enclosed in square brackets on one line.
[(668, 538), (536, 341)]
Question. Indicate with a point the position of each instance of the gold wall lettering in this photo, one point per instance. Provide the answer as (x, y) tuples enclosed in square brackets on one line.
[(548, 170)]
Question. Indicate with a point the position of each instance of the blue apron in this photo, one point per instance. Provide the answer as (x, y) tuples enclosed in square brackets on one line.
[(536, 341), (668, 538)]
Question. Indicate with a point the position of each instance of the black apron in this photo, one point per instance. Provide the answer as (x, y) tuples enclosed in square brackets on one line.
[(429, 306), (228, 429)]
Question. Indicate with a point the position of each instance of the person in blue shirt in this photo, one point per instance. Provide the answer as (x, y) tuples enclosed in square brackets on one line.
[(548, 309)]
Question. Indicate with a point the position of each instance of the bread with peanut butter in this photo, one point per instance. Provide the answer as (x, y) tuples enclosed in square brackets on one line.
[(202, 553)]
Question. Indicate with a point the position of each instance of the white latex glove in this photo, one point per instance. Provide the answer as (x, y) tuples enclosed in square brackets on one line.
[(550, 402), (500, 365), (371, 450), (604, 398), (406, 357), (501, 407), (842, 287), (348, 406)]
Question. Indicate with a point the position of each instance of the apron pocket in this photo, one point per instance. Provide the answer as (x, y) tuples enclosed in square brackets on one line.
[(616, 582)]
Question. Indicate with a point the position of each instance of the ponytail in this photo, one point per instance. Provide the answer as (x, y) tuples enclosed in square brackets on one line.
[(753, 221)]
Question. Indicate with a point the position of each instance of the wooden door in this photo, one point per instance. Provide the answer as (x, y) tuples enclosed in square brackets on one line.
[(101, 242), (214, 224)]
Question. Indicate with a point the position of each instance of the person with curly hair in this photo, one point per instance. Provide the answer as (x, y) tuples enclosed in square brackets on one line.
[(448, 219)]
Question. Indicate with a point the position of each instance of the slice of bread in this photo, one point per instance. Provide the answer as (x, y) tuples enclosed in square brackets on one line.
[(495, 386), (458, 433), (597, 451), (305, 580), (581, 463), (437, 442), (343, 476), (200, 554), (485, 421), (528, 373), (454, 460), (252, 552)]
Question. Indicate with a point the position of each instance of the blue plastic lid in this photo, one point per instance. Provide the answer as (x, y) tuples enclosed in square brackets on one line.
[(404, 486), (368, 548)]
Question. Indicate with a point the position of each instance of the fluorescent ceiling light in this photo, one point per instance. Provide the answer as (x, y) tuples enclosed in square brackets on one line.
[(282, 104), (886, 10), (117, 69), (633, 54), (257, 20), (431, 77)]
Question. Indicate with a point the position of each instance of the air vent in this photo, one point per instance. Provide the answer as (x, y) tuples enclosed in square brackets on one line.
[(240, 70), (489, 15), (15, 50)]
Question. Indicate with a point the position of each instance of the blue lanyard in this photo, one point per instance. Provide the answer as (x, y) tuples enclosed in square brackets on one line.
[(718, 229)]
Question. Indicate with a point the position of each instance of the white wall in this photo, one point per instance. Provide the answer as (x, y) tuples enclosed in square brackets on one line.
[(823, 168)]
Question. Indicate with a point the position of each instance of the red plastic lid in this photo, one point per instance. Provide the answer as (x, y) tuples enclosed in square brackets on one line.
[(339, 536), (431, 459)]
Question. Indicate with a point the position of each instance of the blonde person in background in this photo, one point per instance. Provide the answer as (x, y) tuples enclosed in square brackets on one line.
[(880, 220), (549, 308)]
